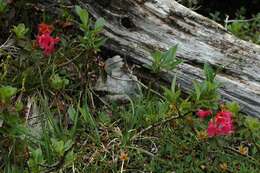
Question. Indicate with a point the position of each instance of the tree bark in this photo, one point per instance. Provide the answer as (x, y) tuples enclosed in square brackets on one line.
[(135, 28)]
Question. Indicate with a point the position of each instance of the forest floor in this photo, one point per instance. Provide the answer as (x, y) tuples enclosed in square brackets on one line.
[(52, 119)]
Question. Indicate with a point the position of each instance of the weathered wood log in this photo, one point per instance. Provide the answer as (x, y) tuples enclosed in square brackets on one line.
[(136, 28)]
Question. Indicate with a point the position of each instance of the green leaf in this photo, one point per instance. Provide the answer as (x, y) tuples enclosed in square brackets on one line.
[(99, 42), (233, 107), (20, 30), (253, 124), (185, 105), (19, 106), (104, 118), (157, 55), (197, 89), (37, 155), (3, 6), (171, 96), (83, 15), (168, 60), (170, 54), (86, 115), (36, 158), (70, 158), (72, 113), (165, 60), (173, 86), (99, 24), (209, 72), (6, 92), (57, 82), (68, 144), (58, 146)]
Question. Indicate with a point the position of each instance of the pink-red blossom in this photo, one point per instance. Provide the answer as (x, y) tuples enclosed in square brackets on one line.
[(45, 40), (47, 43), (222, 124), (204, 113)]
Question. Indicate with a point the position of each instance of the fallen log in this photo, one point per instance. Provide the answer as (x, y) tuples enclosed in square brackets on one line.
[(136, 28)]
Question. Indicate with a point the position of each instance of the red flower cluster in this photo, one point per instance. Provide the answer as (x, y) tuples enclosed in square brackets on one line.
[(204, 113), (221, 124), (45, 40)]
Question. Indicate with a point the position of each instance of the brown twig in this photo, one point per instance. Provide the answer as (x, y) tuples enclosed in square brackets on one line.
[(155, 125), (237, 152)]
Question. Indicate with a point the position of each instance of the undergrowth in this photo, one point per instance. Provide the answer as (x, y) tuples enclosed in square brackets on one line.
[(51, 119), (235, 16)]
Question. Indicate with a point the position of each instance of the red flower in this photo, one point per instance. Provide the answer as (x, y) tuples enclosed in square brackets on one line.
[(47, 43), (203, 113), (221, 125), (212, 129), (44, 28)]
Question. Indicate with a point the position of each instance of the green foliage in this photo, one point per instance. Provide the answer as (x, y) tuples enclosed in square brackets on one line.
[(165, 60), (20, 30), (246, 30), (253, 124), (84, 18), (206, 94), (91, 38), (57, 82), (245, 23), (215, 16), (234, 108), (59, 146), (50, 142), (209, 73), (13, 130), (99, 24), (173, 94), (3, 6), (236, 28), (51, 120), (36, 159), (6, 92), (241, 26)]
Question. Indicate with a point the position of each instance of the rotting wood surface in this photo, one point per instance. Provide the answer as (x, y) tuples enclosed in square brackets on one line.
[(136, 28)]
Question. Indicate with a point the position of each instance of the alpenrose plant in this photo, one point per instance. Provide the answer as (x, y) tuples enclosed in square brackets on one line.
[(221, 124), (45, 40), (204, 101)]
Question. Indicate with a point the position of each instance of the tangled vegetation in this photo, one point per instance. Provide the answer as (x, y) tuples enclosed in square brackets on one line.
[(242, 18), (52, 120)]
